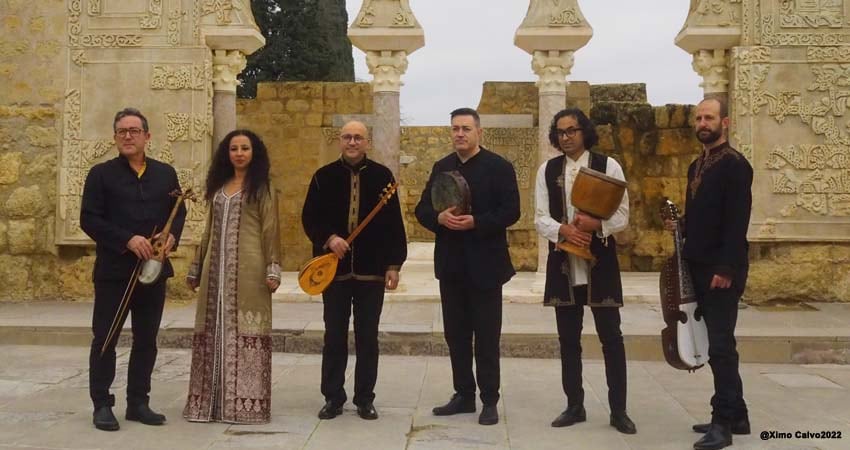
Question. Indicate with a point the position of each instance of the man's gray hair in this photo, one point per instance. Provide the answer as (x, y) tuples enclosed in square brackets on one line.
[(126, 112)]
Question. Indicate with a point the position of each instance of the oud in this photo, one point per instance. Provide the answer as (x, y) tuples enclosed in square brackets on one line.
[(685, 339)]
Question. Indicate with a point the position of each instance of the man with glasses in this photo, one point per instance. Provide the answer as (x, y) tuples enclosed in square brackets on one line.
[(340, 196), (472, 262), (124, 200), (572, 282)]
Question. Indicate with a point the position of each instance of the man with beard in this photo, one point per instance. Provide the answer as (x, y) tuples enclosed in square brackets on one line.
[(572, 282), (717, 207), (471, 261)]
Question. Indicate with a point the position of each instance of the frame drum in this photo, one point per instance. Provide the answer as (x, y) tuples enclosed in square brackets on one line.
[(597, 194), (450, 189)]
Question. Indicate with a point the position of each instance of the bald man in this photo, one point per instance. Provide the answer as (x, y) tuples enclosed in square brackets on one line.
[(340, 196)]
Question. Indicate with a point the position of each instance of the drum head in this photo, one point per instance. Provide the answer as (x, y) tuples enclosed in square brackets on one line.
[(450, 189)]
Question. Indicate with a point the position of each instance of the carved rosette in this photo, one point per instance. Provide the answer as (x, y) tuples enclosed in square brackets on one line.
[(713, 67), (227, 65), (552, 67), (386, 68)]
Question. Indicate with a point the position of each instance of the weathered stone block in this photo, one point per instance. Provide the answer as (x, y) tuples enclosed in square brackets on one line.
[(676, 141), (3, 237), (42, 137), (606, 138), (26, 202), (10, 167), (75, 278), (271, 106), (43, 166), (297, 105), (634, 92), (22, 236), (14, 277), (267, 91)]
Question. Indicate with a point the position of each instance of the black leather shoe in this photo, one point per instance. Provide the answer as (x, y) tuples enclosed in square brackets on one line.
[(739, 427), (329, 411), (456, 405), (489, 415), (717, 437), (571, 415), (103, 419), (367, 412), (622, 423), (144, 414)]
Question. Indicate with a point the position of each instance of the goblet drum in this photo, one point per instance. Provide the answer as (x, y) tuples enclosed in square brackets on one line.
[(597, 195), (450, 189)]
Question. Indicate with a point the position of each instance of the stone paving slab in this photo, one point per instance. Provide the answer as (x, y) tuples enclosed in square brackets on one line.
[(818, 334), (44, 405)]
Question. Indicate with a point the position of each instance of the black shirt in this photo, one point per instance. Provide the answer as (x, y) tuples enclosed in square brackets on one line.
[(717, 208), (479, 255), (118, 204)]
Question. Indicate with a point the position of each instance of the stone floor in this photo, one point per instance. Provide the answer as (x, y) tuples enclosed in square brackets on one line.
[(44, 405)]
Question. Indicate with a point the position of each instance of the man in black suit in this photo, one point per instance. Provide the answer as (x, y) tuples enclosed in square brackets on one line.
[(124, 200), (471, 261)]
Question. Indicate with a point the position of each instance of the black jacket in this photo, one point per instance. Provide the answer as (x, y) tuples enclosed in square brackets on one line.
[(332, 208), (717, 211), (479, 255), (117, 205)]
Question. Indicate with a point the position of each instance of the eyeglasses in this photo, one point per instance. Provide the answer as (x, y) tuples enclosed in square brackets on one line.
[(356, 137), (133, 132), (569, 132)]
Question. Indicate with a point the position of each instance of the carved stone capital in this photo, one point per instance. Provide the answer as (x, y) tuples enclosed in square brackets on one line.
[(553, 25), (712, 66), (227, 64), (386, 25), (711, 24), (386, 67), (552, 67)]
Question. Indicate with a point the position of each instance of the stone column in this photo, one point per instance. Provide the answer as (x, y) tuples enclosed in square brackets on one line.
[(227, 64), (387, 31), (712, 66), (387, 67), (551, 33)]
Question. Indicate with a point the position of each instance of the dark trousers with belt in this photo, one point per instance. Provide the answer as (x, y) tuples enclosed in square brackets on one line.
[(367, 297), (145, 308), (472, 323), (719, 307), (607, 320)]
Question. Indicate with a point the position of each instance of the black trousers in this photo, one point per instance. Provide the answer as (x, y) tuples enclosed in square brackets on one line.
[(145, 307), (719, 307), (607, 321), (367, 297), (472, 323)]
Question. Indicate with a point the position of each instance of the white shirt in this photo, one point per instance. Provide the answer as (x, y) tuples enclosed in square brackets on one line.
[(549, 227)]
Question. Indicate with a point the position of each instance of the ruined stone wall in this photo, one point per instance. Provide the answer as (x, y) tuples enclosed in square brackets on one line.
[(32, 35), (296, 122)]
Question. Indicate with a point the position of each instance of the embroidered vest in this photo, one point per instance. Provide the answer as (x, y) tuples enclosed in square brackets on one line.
[(604, 285)]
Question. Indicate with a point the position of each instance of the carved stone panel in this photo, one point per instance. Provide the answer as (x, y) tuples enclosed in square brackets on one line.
[(519, 146), (172, 87), (790, 118), (803, 22)]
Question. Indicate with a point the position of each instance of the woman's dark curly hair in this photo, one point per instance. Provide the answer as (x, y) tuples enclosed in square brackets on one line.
[(588, 130), (221, 169)]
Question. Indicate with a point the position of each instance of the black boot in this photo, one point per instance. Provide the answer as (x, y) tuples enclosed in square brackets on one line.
[(367, 412), (329, 411), (741, 426), (103, 419), (622, 423), (144, 414), (456, 405), (717, 437), (571, 415), (489, 415)]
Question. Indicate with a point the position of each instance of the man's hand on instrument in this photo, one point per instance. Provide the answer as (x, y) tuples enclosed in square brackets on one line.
[(272, 284), (575, 236), (338, 246), (391, 280), (720, 282), (443, 217), (453, 222), (169, 244), (193, 283), (587, 223), (141, 247), (671, 225)]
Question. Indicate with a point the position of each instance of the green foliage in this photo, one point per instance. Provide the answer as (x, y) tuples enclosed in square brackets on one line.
[(306, 40)]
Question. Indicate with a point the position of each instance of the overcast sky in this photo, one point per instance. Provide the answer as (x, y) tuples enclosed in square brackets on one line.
[(468, 42)]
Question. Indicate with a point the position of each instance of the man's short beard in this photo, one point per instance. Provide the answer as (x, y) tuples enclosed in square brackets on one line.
[(713, 136)]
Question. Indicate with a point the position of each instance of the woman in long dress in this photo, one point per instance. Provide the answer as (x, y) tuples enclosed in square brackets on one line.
[(237, 269)]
